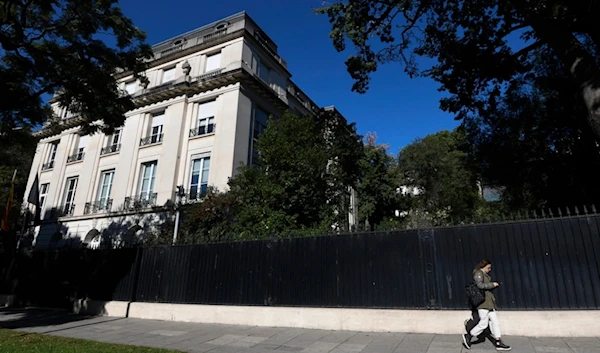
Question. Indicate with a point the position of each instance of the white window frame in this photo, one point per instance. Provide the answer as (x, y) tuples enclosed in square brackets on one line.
[(44, 194), (52, 152), (206, 117), (115, 135), (69, 193), (101, 199), (81, 146), (146, 194), (201, 185), (157, 127)]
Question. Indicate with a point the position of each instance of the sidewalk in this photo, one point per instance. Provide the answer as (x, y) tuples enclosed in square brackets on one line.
[(192, 337)]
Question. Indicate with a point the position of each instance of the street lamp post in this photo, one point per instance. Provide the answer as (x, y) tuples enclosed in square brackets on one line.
[(180, 194)]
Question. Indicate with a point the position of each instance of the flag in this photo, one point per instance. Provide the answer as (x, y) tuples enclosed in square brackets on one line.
[(34, 199), (5, 227)]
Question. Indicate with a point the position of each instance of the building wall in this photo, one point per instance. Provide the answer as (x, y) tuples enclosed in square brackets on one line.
[(229, 145)]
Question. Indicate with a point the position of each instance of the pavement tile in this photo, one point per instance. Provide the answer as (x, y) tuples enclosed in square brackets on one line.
[(203, 338)]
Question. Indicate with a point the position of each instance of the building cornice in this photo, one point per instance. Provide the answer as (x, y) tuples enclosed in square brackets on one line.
[(187, 86)]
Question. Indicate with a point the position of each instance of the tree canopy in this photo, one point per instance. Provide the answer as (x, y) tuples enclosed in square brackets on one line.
[(380, 179), (62, 46), (473, 43), (437, 168), (535, 144), (305, 168)]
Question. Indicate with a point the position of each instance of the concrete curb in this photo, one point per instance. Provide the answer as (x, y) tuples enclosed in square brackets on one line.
[(513, 323)]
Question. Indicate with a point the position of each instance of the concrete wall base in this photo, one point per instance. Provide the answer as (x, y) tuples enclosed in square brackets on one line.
[(513, 323)]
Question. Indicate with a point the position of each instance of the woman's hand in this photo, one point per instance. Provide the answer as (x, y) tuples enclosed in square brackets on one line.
[(496, 285)]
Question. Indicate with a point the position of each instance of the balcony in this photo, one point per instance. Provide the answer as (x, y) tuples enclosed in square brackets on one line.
[(202, 130), (195, 194), (139, 202), (211, 37), (65, 210), (98, 206), (75, 157), (110, 149), (48, 166), (151, 140), (209, 75)]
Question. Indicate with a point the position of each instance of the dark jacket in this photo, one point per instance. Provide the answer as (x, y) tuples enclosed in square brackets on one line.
[(484, 282)]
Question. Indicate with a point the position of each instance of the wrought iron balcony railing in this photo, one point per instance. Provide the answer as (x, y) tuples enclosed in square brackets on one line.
[(75, 157), (111, 149), (202, 130), (139, 202), (98, 206), (194, 194), (151, 140), (48, 166), (65, 210)]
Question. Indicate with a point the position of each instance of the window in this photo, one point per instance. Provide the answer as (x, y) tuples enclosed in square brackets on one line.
[(260, 124), (205, 123), (113, 143), (147, 180), (69, 197), (51, 156), (213, 62), (82, 145), (43, 194), (106, 180), (53, 149), (115, 138), (264, 72), (156, 132), (79, 151), (131, 87), (199, 177), (168, 75)]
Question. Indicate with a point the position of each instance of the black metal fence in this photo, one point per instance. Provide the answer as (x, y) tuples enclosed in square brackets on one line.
[(550, 263)]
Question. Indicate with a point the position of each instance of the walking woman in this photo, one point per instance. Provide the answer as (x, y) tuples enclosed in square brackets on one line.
[(487, 309)]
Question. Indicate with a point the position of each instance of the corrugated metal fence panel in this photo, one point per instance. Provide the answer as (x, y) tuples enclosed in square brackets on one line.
[(372, 270), (543, 264), (540, 264)]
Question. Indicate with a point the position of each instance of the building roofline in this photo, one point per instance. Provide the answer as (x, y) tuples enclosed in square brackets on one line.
[(203, 28)]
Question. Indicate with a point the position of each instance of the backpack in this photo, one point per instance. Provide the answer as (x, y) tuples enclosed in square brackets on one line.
[(476, 296)]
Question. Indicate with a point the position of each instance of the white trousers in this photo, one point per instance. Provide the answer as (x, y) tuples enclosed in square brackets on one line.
[(487, 317)]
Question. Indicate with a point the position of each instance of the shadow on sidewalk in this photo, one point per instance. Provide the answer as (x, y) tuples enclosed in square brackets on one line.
[(30, 318)]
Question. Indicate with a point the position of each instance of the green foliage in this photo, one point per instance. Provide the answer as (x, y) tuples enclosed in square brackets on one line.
[(470, 42), (306, 165), (526, 146), (57, 46), (438, 169), (18, 148), (380, 178), (209, 220)]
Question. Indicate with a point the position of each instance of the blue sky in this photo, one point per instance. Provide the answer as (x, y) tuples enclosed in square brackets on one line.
[(397, 108)]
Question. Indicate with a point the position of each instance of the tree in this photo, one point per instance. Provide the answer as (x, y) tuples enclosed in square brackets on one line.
[(470, 40), (527, 147), (18, 148), (436, 167), (306, 164), (56, 46), (378, 196)]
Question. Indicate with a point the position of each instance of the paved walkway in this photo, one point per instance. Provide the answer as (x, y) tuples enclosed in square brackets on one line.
[(191, 337)]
